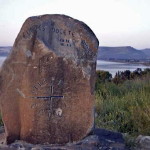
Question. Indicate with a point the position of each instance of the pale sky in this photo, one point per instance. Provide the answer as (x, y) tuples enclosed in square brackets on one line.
[(115, 22)]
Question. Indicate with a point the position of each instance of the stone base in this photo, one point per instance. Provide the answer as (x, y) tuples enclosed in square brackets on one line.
[(100, 139), (142, 142)]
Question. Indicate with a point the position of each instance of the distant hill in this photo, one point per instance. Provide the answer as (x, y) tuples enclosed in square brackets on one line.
[(4, 51), (108, 53), (147, 52), (123, 53)]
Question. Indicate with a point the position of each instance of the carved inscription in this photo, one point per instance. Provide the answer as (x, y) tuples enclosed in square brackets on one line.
[(50, 26), (84, 45), (45, 63), (48, 106), (63, 37), (65, 42), (37, 87)]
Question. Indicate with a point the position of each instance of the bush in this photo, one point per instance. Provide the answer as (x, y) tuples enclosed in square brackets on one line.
[(124, 107)]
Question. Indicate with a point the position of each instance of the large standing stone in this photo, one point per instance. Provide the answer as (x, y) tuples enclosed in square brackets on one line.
[(47, 82)]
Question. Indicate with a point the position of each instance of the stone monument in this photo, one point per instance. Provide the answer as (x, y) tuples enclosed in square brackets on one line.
[(47, 82)]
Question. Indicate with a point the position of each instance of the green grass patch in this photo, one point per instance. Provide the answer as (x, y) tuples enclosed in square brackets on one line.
[(124, 107)]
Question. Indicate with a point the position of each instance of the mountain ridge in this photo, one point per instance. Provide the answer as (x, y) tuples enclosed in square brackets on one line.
[(123, 53)]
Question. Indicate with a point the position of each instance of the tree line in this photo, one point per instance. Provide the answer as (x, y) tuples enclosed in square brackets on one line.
[(120, 76)]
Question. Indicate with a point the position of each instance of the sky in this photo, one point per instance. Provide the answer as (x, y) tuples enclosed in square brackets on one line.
[(115, 22)]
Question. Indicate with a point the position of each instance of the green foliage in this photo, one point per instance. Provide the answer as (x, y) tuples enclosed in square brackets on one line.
[(102, 77), (120, 77), (125, 107)]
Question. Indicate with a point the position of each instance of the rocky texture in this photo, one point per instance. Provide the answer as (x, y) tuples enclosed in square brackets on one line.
[(100, 139), (47, 82), (143, 142)]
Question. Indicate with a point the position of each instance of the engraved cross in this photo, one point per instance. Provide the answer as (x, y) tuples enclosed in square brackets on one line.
[(49, 98)]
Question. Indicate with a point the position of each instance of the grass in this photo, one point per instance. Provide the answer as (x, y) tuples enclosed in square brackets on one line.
[(124, 107)]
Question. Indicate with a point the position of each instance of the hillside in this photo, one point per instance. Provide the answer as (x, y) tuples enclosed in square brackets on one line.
[(147, 52), (123, 53)]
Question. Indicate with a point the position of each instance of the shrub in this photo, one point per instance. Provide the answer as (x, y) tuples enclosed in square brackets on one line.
[(124, 107)]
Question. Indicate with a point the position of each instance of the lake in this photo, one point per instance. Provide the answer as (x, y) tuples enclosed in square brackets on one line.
[(112, 67)]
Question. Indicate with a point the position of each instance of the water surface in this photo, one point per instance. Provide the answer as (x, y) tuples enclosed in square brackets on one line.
[(114, 67)]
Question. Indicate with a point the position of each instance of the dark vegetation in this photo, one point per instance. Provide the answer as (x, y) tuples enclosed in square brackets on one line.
[(123, 102)]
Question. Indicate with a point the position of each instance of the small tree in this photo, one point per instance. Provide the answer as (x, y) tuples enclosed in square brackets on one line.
[(102, 77)]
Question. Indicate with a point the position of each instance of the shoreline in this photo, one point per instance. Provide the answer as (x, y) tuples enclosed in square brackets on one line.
[(127, 62)]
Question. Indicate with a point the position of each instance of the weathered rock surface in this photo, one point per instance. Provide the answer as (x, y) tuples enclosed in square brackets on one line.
[(47, 82), (100, 139), (143, 142)]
